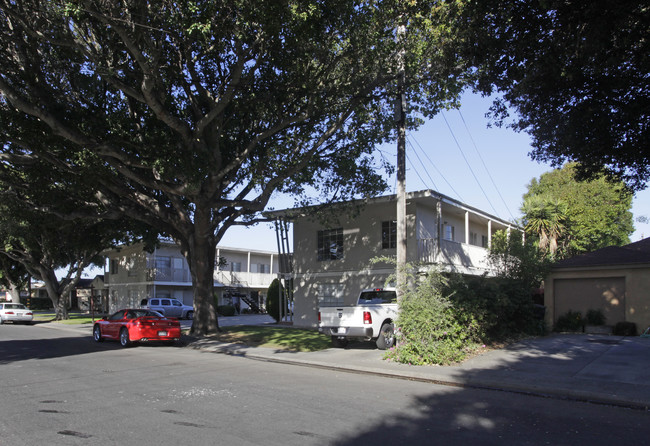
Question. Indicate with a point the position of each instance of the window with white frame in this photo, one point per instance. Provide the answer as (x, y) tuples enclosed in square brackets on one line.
[(473, 238), (450, 233), (163, 262), (262, 268), (235, 267)]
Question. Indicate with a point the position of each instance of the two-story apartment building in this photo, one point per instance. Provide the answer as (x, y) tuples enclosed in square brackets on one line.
[(332, 256), (132, 274)]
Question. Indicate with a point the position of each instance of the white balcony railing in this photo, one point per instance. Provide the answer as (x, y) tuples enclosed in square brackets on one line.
[(177, 275), (453, 254), (234, 278)]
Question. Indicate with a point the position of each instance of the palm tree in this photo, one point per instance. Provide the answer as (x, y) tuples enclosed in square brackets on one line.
[(545, 217)]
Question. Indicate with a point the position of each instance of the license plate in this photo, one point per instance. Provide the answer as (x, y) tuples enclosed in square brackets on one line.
[(341, 330), (162, 333)]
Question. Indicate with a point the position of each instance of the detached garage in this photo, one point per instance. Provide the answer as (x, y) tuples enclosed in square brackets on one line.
[(615, 280)]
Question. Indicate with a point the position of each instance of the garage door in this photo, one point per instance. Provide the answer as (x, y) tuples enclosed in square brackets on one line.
[(607, 294)]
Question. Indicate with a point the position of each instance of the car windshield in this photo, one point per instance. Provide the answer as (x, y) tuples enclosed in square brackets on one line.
[(15, 307)]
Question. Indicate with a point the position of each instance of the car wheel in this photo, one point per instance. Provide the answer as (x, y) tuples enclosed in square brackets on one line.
[(124, 337), (339, 342), (190, 315), (97, 334), (386, 337)]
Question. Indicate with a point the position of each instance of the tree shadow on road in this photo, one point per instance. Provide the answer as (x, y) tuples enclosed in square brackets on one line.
[(48, 348)]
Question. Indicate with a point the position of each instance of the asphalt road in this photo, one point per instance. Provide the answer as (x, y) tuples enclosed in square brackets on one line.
[(60, 388)]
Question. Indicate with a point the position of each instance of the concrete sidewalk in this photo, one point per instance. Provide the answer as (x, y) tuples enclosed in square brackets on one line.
[(594, 368)]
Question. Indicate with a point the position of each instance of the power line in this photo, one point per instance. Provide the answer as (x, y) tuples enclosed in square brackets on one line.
[(422, 164), (467, 162), (412, 138), (485, 166), (415, 169)]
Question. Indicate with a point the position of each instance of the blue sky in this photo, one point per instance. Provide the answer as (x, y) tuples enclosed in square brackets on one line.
[(488, 168)]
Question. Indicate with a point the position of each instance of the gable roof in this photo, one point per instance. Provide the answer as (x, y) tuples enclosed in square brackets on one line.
[(634, 253)]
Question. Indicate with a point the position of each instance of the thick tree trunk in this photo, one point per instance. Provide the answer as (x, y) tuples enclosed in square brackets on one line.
[(200, 252), (53, 291), (14, 292)]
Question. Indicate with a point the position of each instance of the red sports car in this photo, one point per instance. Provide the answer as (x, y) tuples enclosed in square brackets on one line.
[(135, 325)]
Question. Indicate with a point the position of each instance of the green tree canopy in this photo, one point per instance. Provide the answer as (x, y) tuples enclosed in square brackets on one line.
[(13, 276), (42, 244), (189, 117), (576, 73), (517, 258), (582, 216), (39, 235)]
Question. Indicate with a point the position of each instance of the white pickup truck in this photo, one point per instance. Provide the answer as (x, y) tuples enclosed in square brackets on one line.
[(370, 319)]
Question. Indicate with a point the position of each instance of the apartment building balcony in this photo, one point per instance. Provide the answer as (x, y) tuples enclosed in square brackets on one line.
[(241, 278), (176, 275), (453, 255)]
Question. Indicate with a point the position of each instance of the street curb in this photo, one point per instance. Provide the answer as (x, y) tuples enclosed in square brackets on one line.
[(270, 355), (559, 394)]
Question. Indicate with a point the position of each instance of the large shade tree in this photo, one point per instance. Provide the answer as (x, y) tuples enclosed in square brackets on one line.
[(576, 74), (190, 116), (42, 234), (571, 217), (38, 238), (53, 251), (13, 276)]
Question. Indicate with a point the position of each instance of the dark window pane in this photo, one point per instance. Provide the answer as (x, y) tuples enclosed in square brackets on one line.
[(389, 235), (330, 244)]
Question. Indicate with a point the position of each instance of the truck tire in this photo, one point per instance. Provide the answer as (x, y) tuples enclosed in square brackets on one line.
[(339, 342), (386, 338)]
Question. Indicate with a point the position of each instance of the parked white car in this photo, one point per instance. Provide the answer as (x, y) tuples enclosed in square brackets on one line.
[(370, 319), (15, 313), (170, 308)]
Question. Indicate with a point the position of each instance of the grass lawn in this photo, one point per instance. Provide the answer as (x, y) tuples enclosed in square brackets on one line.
[(75, 318), (285, 338), (274, 336)]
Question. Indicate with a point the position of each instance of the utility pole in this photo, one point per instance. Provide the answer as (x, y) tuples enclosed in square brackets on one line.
[(400, 118)]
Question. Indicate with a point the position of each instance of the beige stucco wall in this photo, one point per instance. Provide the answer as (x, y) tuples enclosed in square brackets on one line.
[(362, 241), (623, 293), (354, 272), (133, 281)]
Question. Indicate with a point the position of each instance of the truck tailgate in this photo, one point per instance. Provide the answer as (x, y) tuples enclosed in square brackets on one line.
[(338, 316)]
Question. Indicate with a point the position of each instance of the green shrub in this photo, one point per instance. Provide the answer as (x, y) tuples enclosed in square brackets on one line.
[(502, 307), (37, 303), (595, 317), (273, 299), (571, 321), (429, 328), (625, 329), (226, 310)]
